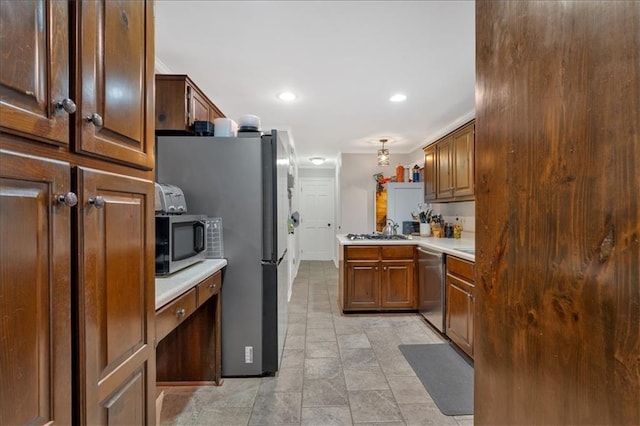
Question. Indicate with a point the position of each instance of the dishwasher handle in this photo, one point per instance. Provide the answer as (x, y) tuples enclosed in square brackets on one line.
[(432, 253)]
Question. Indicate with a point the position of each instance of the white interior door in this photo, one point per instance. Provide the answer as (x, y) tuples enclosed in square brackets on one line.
[(317, 230)]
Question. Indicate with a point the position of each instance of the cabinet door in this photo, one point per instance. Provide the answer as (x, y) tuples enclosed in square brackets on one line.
[(199, 106), (34, 75), (35, 293), (116, 298), (398, 284), (430, 190), (444, 154), (460, 307), (115, 81), (363, 285), (463, 146)]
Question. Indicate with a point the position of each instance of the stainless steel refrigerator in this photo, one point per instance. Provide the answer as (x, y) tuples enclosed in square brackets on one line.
[(243, 180)]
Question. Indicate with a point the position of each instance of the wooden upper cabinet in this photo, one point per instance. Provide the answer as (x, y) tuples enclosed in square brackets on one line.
[(115, 81), (34, 76), (430, 173), (116, 298), (444, 167), (179, 102), (35, 291), (463, 158), (449, 166)]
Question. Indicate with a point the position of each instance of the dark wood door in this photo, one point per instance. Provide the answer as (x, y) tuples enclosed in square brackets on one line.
[(363, 285), (444, 156), (558, 213), (116, 298), (34, 75), (459, 312), (430, 190), (115, 81), (463, 161), (35, 293), (398, 284)]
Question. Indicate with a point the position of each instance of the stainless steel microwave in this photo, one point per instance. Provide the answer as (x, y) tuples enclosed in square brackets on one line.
[(180, 242)]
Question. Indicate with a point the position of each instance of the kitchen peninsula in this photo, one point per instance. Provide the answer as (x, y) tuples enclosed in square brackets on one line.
[(386, 274)]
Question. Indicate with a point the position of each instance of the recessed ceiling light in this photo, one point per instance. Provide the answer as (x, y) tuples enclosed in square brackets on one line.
[(398, 97), (317, 160), (287, 96)]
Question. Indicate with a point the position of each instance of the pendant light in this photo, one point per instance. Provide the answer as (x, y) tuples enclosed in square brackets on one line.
[(383, 154)]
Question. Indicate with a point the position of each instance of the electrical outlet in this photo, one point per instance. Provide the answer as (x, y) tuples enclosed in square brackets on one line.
[(248, 354)]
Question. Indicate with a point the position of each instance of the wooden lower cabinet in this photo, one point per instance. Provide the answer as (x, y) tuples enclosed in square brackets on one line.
[(363, 284), (398, 284), (77, 235), (460, 303), (378, 278), (115, 297), (35, 291)]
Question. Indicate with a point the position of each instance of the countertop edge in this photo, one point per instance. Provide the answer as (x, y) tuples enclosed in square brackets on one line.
[(172, 286), (444, 245)]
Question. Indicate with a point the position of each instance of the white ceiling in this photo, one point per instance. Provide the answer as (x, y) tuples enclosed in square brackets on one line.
[(343, 59)]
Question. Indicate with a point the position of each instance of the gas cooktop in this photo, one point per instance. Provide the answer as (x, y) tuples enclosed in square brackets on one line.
[(353, 237)]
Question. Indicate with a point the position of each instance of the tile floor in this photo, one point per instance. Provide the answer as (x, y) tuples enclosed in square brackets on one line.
[(336, 370)]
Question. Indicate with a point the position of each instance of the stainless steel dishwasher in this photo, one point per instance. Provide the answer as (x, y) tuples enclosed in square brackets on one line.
[(431, 287)]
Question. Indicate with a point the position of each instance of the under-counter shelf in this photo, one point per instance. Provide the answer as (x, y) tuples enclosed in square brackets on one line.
[(188, 343)]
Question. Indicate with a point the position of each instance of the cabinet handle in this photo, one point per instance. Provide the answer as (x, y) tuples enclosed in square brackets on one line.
[(375, 269), (95, 118), (212, 286), (180, 312), (66, 104), (97, 201), (69, 199)]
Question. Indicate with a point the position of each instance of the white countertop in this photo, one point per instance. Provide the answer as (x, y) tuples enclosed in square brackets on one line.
[(172, 286), (445, 245)]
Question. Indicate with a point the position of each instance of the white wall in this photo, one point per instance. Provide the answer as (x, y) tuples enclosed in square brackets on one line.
[(357, 189)]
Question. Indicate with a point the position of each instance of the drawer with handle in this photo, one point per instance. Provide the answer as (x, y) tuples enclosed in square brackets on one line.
[(170, 316), (208, 288)]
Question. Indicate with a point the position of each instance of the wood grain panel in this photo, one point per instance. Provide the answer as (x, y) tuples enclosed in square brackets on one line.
[(398, 252), (35, 69), (398, 284), (116, 81), (362, 252), (35, 293), (558, 213), (116, 269), (124, 406), (430, 191), (191, 353), (209, 287), (363, 285), (171, 316)]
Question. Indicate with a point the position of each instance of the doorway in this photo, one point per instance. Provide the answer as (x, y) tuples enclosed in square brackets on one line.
[(317, 207)]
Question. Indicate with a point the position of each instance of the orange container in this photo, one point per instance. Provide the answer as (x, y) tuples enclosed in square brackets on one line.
[(400, 173)]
